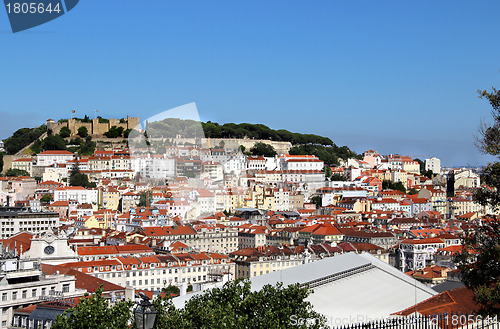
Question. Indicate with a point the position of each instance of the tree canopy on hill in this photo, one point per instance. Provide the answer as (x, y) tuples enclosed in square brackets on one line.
[(260, 131), (173, 127), (23, 137)]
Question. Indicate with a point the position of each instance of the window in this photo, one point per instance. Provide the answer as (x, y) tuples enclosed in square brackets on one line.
[(25, 293), (4, 297), (66, 287), (33, 292), (14, 295)]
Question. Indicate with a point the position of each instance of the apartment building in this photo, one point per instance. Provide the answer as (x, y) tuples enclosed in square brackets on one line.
[(14, 220), (156, 272), (23, 283)]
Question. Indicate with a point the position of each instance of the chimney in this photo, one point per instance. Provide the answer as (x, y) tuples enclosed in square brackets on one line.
[(129, 293)]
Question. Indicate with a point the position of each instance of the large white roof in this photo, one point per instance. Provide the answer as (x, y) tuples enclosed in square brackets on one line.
[(349, 288), (352, 288)]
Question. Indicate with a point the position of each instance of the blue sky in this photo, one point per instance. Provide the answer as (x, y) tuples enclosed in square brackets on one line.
[(395, 76)]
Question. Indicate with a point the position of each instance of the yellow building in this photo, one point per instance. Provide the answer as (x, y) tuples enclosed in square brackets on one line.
[(23, 164), (100, 221), (109, 198)]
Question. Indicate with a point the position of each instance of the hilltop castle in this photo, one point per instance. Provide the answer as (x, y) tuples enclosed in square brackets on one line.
[(96, 127)]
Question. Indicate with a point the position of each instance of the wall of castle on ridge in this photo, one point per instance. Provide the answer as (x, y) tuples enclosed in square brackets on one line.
[(74, 125), (94, 127), (132, 122), (53, 126)]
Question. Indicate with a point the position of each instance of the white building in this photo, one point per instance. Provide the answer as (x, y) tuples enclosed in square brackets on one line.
[(467, 178), (416, 254), (156, 272), (51, 157), (301, 162), (256, 163), (13, 221), (433, 164), (76, 193), (23, 283), (154, 166)]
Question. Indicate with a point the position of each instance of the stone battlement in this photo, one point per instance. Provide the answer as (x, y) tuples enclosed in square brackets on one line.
[(94, 127)]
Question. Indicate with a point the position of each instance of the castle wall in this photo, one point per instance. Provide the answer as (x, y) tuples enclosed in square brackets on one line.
[(94, 128), (132, 122), (74, 125)]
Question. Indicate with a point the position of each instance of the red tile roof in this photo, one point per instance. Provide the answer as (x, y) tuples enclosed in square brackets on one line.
[(83, 281), (460, 300), (55, 152)]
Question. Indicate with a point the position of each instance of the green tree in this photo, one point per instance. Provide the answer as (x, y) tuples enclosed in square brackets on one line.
[(23, 137), (389, 185), (479, 260), (236, 306), (171, 290), (328, 172), (16, 172), (64, 132), (317, 200), (413, 191), (37, 147), (54, 142), (88, 147), (1, 161), (479, 263), (126, 132), (83, 132), (114, 132), (78, 178), (94, 311), (143, 199), (337, 177), (46, 198), (263, 149)]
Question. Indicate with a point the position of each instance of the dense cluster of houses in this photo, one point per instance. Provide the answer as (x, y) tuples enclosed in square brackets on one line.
[(196, 217)]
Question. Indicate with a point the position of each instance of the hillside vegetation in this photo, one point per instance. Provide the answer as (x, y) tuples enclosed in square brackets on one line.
[(22, 138), (303, 144)]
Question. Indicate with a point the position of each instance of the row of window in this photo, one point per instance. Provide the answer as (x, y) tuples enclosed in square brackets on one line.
[(14, 295), (134, 283)]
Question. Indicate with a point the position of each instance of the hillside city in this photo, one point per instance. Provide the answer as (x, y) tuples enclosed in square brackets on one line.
[(155, 214)]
